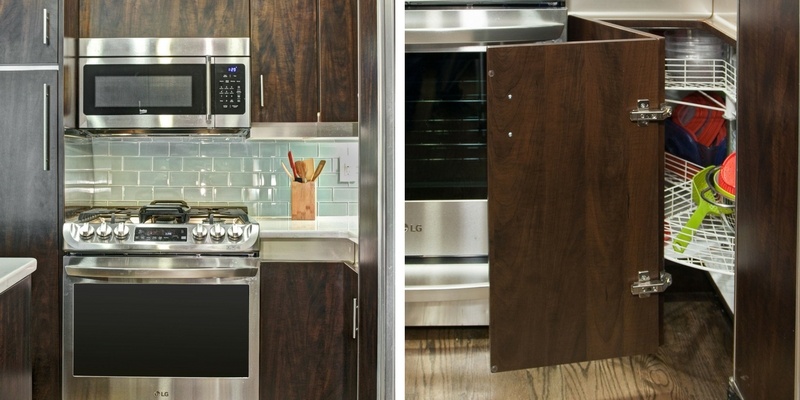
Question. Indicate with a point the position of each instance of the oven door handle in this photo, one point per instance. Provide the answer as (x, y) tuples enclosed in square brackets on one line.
[(454, 292), (159, 273)]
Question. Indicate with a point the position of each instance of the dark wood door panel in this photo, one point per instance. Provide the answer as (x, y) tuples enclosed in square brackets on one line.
[(338, 46), (23, 38), (307, 347), (574, 201), (767, 199), (164, 18), (15, 342), (285, 57)]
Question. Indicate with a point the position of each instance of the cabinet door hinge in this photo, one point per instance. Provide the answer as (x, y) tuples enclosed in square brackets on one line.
[(645, 286), (355, 318), (642, 115)]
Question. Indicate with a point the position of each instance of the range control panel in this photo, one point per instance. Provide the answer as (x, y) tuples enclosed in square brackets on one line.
[(229, 89)]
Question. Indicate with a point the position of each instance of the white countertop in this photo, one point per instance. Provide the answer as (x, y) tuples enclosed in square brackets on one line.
[(320, 228), (13, 270)]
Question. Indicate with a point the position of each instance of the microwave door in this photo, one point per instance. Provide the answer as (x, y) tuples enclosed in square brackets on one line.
[(144, 92)]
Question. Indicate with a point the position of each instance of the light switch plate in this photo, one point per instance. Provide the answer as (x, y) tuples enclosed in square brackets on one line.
[(348, 162)]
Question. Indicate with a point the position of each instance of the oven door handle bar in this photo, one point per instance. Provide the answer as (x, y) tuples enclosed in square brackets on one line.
[(158, 273)]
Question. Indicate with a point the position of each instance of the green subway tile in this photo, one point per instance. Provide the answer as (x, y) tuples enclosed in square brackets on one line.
[(274, 149), (256, 164), (228, 165), (227, 194), (244, 150), (244, 179), (137, 193), (137, 163), (345, 195), (108, 193), (126, 178), (215, 150), (198, 164), (160, 178), (108, 163), (167, 193), (302, 150), (283, 194), (352, 209), (251, 194), (324, 194), (123, 149), (213, 179), (100, 147), (331, 209), (274, 209), (330, 180), (198, 195), (167, 164), (181, 149), (78, 162), (156, 149), (101, 177), (183, 179)]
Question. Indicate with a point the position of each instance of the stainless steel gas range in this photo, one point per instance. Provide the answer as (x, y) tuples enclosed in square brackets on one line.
[(161, 301)]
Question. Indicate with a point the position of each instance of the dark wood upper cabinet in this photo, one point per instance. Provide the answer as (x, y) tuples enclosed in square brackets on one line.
[(575, 197), (164, 18), (30, 31), (304, 61)]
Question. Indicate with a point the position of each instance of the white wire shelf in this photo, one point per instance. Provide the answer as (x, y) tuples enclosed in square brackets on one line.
[(701, 74), (712, 244)]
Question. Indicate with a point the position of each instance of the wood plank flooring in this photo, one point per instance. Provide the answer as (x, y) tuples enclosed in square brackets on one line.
[(694, 362)]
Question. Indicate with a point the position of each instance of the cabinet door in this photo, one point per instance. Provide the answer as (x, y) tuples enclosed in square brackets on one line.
[(284, 59), (29, 31), (159, 18), (575, 197), (338, 61), (29, 194), (307, 346)]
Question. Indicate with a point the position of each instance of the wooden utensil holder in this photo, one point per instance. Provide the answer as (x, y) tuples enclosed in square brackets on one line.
[(304, 200)]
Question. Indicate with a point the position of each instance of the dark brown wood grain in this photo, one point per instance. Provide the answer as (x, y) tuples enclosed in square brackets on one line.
[(31, 217), (694, 362), (338, 60), (307, 348), (575, 198), (22, 40), (164, 18), (767, 199), (15, 342), (285, 55)]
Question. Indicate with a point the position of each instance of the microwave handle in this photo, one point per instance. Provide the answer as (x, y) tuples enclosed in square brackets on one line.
[(208, 90)]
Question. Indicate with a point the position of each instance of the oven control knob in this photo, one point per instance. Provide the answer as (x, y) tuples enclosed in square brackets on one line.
[(121, 231), (86, 231), (103, 231), (235, 233), (199, 232), (217, 232)]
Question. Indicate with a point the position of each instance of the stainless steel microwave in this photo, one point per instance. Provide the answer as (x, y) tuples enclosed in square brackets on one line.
[(164, 83)]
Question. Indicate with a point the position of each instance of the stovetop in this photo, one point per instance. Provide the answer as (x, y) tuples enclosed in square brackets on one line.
[(162, 227)]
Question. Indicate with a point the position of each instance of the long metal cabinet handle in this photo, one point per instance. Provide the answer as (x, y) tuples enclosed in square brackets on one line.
[(355, 317), (45, 27), (46, 126), (208, 89), (261, 89)]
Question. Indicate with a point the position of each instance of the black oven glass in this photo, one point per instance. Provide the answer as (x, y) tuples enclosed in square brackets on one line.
[(445, 119), (131, 89), (161, 330)]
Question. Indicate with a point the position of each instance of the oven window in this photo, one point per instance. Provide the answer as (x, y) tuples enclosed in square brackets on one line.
[(161, 330), (121, 89), (445, 126)]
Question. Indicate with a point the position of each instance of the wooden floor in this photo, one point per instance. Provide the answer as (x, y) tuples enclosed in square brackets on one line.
[(694, 362)]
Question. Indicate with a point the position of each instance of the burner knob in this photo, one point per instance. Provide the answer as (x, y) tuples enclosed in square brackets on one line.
[(217, 232), (199, 232), (235, 232), (86, 231), (103, 231), (121, 231)]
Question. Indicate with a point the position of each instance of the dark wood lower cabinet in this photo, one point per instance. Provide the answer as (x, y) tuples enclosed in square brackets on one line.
[(307, 345), (15, 342)]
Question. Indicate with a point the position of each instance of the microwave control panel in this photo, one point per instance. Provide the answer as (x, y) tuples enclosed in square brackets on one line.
[(229, 90)]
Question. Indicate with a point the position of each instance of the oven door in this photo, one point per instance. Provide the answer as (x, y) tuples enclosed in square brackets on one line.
[(145, 327)]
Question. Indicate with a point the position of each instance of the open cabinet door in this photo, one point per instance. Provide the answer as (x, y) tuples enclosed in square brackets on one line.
[(575, 197)]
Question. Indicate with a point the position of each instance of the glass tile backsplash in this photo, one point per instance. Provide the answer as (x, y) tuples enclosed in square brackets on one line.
[(109, 171)]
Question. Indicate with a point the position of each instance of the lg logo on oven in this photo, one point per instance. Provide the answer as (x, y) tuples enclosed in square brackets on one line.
[(159, 393), (414, 228)]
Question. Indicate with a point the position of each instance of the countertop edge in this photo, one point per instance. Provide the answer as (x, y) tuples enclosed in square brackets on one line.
[(14, 270)]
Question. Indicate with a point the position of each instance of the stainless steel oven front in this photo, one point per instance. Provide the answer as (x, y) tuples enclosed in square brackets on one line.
[(151, 327), (447, 270)]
